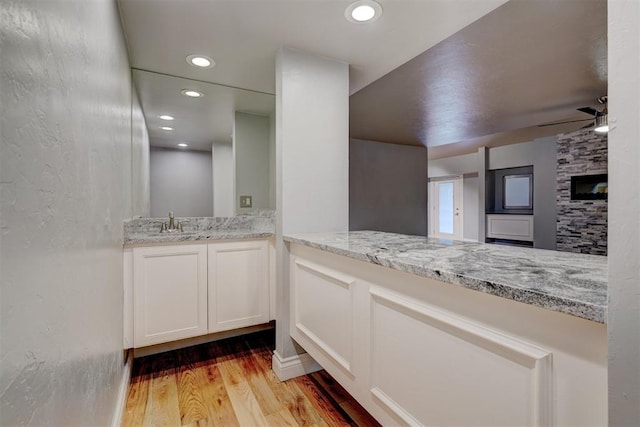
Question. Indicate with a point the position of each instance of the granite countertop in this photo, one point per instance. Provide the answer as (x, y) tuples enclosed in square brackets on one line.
[(570, 283), (147, 238), (255, 225)]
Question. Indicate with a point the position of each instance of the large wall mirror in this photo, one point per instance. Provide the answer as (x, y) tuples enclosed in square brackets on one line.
[(212, 147)]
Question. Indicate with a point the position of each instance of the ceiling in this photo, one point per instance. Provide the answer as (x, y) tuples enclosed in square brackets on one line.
[(483, 73), (242, 36), (198, 121), (524, 64)]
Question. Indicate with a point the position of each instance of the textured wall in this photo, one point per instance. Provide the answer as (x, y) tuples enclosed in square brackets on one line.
[(624, 203), (312, 160), (65, 188), (581, 224), (387, 187), (181, 181)]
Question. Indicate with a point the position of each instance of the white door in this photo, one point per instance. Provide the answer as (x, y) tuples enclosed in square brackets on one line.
[(447, 208)]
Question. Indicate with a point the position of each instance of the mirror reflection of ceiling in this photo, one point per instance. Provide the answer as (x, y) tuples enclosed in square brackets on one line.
[(198, 122), (242, 36), (525, 64)]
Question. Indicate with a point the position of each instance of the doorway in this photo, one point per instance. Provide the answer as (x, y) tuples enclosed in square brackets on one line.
[(446, 208)]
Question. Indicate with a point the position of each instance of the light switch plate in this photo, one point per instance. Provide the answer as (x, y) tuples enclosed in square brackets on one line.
[(245, 201)]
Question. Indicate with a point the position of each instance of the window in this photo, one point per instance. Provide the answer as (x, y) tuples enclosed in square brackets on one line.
[(517, 192)]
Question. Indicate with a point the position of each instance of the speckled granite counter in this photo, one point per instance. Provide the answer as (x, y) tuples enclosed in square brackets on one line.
[(143, 231), (570, 283)]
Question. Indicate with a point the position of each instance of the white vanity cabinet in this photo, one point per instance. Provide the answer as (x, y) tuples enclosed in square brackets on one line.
[(184, 290), (238, 284), (169, 293)]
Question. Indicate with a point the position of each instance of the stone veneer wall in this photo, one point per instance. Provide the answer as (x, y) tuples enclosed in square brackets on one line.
[(581, 224)]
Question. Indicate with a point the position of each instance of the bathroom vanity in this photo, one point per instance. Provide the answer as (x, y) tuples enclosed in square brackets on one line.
[(215, 276), (437, 332)]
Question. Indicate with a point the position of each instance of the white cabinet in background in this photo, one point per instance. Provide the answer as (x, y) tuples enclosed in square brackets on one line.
[(170, 293), (510, 227), (238, 284)]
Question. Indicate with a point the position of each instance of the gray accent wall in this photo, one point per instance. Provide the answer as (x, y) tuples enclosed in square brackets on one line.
[(181, 182), (66, 188), (582, 224), (387, 187), (544, 193)]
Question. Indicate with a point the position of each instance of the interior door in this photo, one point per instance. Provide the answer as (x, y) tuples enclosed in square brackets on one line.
[(447, 208)]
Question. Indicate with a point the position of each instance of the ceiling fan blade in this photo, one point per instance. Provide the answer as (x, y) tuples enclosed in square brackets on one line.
[(562, 123), (589, 110), (590, 125)]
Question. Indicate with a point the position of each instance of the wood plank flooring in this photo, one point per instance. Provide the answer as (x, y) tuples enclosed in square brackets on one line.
[(230, 383)]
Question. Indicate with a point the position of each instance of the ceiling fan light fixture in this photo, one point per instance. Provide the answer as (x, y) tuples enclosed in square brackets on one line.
[(200, 61), (363, 11), (602, 123)]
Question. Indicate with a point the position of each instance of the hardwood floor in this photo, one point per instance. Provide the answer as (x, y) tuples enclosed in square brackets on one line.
[(230, 383)]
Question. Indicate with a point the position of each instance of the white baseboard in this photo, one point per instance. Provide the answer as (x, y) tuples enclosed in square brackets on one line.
[(294, 366), (121, 401)]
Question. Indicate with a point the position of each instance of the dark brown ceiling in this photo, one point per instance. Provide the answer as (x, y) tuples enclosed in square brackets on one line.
[(527, 63)]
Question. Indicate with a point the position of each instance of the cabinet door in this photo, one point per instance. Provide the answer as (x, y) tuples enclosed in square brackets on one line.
[(170, 293), (238, 284)]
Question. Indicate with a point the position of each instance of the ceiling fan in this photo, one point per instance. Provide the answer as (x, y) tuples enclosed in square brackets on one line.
[(599, 119)]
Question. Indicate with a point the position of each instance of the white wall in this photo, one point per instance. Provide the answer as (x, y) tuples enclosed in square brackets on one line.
[(251, 143), (624, 212), (223, 180), (511, 156), (387, 187), (65, 189), (181, 183), (139, 160), (312, 160), (453, 166)]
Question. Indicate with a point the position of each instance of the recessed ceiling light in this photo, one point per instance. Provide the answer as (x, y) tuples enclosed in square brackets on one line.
[(166, 117), (192, 93), (200, 61), (183, 145), (363, 11), (166, 128)]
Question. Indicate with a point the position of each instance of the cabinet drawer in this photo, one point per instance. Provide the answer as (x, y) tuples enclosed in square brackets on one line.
[(511, 227)]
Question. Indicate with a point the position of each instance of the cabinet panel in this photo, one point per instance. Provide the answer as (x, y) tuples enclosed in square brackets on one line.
[(238, 285), (323, 310), (170, 293), (426, 363), (511, 227)]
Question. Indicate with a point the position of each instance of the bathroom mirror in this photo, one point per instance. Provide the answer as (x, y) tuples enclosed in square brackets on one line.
[(211, 146)]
